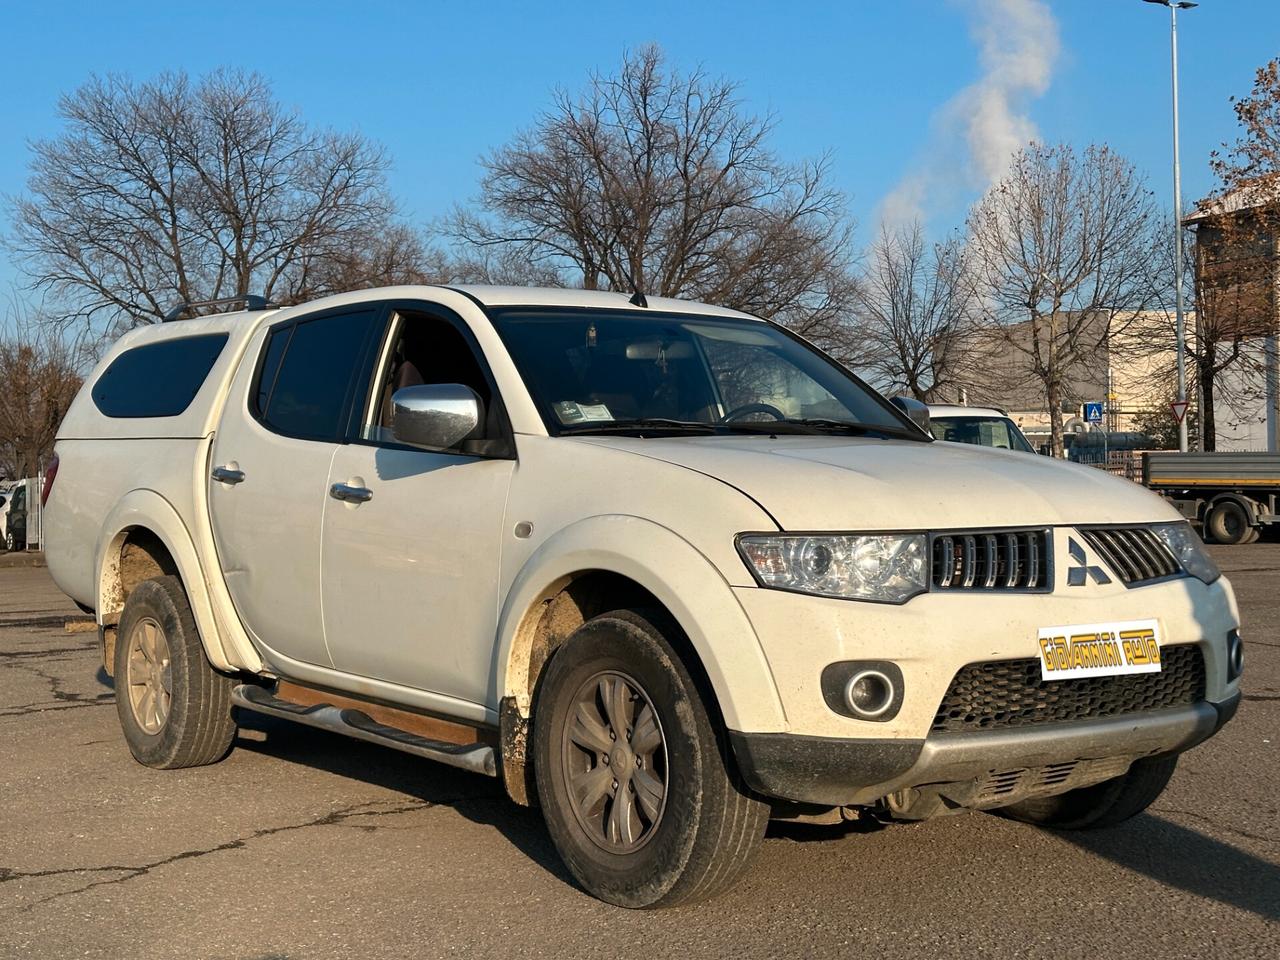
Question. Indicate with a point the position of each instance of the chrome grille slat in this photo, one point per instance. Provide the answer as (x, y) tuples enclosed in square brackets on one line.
[(1033, 561), (1128, 570), (1149, 570), (946, 563), (1011, 563), (1162, 561), (1134, 554), (990, 560)]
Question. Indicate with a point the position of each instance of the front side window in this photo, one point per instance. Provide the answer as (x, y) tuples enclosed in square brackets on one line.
[(421, 349), (158, 379), (616, 371), (998, 432), (309, 373)]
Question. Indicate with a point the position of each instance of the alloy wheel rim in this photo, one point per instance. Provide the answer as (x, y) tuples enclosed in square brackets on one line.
[(615, 761), (149, 675)]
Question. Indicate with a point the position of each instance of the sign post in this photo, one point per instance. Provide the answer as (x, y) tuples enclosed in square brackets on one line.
[(1093, 412)]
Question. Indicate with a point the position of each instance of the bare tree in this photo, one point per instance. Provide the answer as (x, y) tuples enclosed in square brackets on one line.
[(655, 181), (1216, 339), (1252, 163), (1237, 257), (1063, 253), (916, 309), (176, 189), (38, 380)]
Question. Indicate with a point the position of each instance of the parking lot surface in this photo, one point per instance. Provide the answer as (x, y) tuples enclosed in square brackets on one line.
[(303, 844)]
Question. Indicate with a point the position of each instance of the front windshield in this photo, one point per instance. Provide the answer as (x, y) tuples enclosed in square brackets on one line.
[(622, 372), (999, 432)]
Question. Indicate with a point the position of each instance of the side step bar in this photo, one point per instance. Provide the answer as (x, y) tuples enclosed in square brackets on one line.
[(476, 757)]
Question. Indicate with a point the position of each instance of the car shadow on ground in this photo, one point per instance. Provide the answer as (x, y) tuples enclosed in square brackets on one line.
[(1187, 859), (1150, 845), (480, 799)]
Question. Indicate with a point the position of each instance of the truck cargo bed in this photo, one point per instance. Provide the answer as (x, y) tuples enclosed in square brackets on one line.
[(1184, 470)]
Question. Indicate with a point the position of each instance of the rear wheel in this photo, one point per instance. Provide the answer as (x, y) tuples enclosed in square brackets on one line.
[(1102, 805), (1228, 523), (635, 778), (174, 708)]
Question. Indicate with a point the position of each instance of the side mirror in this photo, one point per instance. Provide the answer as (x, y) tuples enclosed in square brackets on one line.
[(439, 415), (916, 411)]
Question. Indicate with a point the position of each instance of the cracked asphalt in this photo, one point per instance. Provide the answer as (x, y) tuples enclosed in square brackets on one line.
[(303, 844)]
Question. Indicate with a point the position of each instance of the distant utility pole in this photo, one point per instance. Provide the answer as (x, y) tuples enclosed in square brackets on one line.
[(1177, 214)]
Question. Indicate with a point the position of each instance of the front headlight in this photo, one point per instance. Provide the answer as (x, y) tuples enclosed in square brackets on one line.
[(888, 567), (1188, 549)]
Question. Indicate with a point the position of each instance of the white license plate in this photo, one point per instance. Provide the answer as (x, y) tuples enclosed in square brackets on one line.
[(1099, 649)]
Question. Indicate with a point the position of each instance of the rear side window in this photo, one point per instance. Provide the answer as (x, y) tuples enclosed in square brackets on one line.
[(310, 372), (157, 379)]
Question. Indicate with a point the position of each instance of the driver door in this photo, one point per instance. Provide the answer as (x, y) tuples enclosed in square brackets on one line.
[(410, 572)]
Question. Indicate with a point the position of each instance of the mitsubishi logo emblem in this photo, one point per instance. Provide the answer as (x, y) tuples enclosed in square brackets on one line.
[(1081, 571)]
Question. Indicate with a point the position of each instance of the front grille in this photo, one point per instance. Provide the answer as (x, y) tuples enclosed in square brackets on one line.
[(1135, 554), (991, 560), (1010, 693)]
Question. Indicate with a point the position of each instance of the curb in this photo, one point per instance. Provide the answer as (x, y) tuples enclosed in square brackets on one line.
[(22, 558)]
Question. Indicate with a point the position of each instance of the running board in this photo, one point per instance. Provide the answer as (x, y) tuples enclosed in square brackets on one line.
[(476, 757)]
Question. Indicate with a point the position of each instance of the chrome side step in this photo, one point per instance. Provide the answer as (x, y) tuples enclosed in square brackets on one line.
[(476, 757)]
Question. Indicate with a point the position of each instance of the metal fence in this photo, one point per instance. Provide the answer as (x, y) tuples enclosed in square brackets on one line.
[(1119, 463)]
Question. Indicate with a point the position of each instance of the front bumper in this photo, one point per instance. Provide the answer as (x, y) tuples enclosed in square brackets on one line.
[(931, 638), (835, 772)]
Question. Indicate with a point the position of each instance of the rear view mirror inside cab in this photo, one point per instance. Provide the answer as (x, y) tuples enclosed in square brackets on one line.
[(657, 349)]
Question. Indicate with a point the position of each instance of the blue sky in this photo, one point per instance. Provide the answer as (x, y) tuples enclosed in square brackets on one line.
[(440, 83)]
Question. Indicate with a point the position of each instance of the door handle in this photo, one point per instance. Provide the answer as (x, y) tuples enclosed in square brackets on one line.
[(227, 475), (349, 494)]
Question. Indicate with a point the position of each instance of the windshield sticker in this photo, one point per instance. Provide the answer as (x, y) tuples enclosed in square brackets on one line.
[(570, 411)]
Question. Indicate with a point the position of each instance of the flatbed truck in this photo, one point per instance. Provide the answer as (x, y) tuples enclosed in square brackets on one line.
[(1233, 496)]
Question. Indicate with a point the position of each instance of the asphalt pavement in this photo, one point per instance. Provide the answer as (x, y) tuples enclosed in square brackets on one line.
[(303, 844)]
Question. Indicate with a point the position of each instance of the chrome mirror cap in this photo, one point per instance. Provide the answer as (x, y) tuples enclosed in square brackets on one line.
[(439, 415), (916, 411)]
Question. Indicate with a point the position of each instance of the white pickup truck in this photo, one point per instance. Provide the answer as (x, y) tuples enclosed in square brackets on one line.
[(664, 568)]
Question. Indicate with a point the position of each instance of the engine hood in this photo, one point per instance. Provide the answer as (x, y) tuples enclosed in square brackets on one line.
[(840, 483)]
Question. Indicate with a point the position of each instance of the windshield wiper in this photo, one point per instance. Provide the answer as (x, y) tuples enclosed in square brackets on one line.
[(851, 426), (640, 424), (817, 424)]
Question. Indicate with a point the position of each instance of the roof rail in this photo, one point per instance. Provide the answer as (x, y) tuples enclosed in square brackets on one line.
[(251, 302)]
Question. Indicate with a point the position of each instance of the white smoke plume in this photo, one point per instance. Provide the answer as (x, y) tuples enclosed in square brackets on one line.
[(978, 130)]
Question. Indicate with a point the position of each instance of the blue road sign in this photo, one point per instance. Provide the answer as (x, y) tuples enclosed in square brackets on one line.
[(1093, 413)]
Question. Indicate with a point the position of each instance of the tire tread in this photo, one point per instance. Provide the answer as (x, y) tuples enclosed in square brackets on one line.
[(201, 729)]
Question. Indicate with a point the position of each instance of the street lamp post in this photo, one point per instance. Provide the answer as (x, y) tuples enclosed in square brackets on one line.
[(1177, 216)]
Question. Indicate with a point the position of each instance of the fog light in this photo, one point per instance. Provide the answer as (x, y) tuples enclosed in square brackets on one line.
[(869, 693), (1235, 655)]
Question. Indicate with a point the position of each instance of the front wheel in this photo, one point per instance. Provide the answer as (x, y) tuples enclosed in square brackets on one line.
[(1102, 805), (635, 778)]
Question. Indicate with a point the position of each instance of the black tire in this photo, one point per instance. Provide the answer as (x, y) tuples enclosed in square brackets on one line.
[(9, 541), (197, 726), (708, 826), (1228, 523), (1102, 805)]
